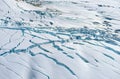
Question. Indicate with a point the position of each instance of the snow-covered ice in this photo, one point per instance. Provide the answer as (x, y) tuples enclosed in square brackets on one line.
[(59, 39)]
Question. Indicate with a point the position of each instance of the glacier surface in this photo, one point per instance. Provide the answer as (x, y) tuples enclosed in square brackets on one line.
[(59, 39)]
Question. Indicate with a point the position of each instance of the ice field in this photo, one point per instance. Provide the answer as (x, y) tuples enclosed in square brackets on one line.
[(59, 39)]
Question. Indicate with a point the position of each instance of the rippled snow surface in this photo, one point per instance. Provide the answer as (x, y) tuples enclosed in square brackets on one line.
[(60, 39)]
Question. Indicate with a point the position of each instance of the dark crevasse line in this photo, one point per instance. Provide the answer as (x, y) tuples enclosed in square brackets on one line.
[(111, 49), (99, 35), (8, 41), (11, 70), (35, 36), (48, 77), (39, 46), (33, 69), (68, 47), (112, 42), (85, 31), (60, 49), (39, 31), (60, 64), (108, 56), (106, 47), (6, 4), (13, 49), (85, 60), (49, 16)]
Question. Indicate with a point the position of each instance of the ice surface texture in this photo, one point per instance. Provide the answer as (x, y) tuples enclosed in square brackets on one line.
[(59, 39)]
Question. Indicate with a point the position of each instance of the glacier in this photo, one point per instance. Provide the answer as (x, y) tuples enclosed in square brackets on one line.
[(59, 39)]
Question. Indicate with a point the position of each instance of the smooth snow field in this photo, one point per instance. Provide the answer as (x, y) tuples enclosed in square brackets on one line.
[(59, 39)]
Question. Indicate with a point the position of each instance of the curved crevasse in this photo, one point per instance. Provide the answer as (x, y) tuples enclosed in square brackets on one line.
[(59, 40)]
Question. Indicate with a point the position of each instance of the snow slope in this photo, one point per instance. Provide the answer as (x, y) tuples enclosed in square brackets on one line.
[(60, 39)]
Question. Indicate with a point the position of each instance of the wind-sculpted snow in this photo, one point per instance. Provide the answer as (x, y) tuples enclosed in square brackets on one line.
[(59, 40)]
